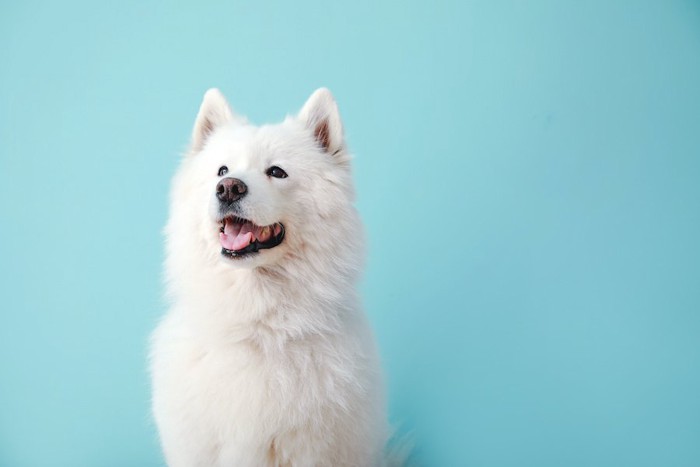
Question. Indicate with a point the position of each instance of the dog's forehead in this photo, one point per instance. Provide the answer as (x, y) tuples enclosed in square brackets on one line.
[(233, 137), (236, 147), (245, 147)]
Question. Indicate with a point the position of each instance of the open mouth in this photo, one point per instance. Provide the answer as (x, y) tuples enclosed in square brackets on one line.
[(240, 237)]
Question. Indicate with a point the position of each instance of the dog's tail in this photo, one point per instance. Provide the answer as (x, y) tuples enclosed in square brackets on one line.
[(399, 449)]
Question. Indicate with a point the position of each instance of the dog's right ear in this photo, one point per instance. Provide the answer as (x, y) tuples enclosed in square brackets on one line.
[(213, 113), (320, 115)]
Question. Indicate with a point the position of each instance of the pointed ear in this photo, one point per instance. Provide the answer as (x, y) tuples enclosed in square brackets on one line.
[(213, 112), (320, 115)]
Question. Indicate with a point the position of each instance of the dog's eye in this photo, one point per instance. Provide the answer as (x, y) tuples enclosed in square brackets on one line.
[(223, 170), (276, 172)]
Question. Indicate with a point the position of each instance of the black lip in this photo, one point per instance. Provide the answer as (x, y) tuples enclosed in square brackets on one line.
[(255, 246)]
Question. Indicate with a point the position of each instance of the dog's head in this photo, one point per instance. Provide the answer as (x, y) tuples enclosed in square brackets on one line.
[(253, 196)]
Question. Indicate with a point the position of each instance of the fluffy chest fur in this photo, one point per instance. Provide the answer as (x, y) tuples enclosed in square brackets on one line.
[(259, 393)]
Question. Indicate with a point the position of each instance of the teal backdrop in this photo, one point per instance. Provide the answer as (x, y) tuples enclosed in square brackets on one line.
[(528, 172)]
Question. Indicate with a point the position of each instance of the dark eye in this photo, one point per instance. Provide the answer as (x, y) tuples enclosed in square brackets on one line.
[(223, 170), (276, 172)]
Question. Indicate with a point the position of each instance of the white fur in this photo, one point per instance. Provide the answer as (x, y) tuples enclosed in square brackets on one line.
[(267, 361)]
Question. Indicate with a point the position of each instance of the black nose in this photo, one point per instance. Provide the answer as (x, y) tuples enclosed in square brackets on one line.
[(230, 189)]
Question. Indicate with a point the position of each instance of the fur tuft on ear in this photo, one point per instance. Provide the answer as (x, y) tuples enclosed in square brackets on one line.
[(320, 115), (213, 112)]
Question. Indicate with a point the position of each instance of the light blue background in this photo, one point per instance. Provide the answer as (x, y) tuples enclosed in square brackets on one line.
[(529, 174)]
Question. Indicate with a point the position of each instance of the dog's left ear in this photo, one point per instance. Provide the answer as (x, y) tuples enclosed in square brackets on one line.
[(213, 113), (320, 115)]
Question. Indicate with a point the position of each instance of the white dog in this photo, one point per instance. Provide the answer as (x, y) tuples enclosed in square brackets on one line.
[(265, 357)]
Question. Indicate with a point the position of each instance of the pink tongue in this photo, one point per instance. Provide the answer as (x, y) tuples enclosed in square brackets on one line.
[(236, 236)]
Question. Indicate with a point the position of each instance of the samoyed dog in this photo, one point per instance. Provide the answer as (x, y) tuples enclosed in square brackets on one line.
[(265, 357)]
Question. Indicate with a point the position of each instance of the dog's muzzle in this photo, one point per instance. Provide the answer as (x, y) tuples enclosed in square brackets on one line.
[(240, 237)]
